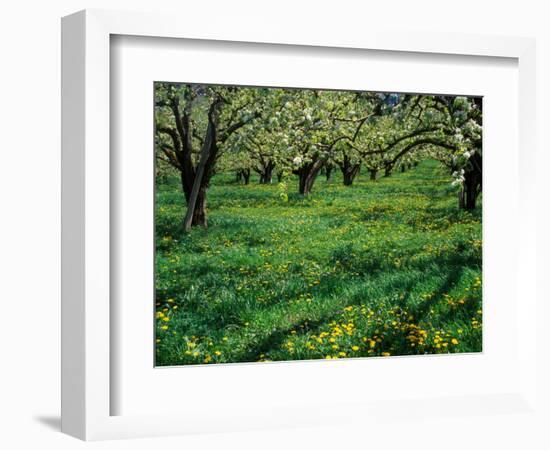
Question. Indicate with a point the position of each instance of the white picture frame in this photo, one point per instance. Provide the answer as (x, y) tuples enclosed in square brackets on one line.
[(87, 386)]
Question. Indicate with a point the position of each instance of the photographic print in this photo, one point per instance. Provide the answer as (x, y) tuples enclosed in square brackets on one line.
[(304, 224)]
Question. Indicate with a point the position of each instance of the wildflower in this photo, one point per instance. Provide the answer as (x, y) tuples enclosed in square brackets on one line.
[(386, 353), (355, 348), (217, 353), (164, 327), (454, 341)]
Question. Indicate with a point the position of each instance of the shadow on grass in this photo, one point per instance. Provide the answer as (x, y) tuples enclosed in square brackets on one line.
[(277, 337)]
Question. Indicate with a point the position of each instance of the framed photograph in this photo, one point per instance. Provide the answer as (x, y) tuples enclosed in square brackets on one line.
[(293, 229), (294, 268)]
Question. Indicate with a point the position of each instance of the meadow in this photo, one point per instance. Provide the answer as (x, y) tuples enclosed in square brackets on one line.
[(380, 268)]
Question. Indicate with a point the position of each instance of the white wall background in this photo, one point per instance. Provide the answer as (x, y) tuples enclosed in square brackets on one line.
[(30, 198)]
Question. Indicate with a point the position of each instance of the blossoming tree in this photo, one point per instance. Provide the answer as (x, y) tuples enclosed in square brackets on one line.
[(300, 132), (193, 122)]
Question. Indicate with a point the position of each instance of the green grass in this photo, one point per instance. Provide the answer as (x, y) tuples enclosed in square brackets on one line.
[(390, 267)]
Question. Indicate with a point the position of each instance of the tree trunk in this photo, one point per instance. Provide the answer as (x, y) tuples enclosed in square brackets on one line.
[(307, 175), (246, 176), (279, 177), (471, 187), (387, 170), (185, 187), (350, 174), (305, 183), (349, 170), (328, 173), (402, 168), (199, 213), (373, 173), (266, 174), (238, 176), (197, 199)]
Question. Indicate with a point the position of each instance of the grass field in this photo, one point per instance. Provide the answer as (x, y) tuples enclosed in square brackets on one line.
[(390, 267)]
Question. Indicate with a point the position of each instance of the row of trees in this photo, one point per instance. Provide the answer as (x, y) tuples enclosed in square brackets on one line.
[(278, 132)]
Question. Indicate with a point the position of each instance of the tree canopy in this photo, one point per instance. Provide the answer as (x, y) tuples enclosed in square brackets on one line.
[(203, 129)]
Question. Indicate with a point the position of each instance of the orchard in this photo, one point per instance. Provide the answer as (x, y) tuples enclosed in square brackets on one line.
[(204, 130), (296, 224)]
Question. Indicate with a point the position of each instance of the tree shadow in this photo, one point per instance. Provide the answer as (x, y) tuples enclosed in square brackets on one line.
[(275, 339), (450, 281)]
